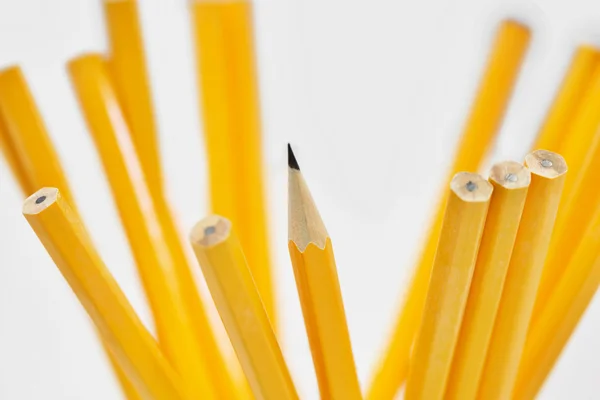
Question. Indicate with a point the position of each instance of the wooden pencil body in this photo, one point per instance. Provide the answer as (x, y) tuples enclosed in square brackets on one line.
[(240, 307), (582, 135), (558, 318), (228, 85), (449, 287), (325, 320), (159, 273), (516, 305), (67, 242), (572, 222), (510, 181), (487, 113), (34, 161), (129, 73), (26, 139), (566, 104), (127, 63)]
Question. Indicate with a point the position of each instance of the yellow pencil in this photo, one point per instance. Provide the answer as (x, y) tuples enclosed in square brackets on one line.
[(161, 276), (572, 222), (33, 159), (127, 65), (516, 305), (66, 240), (552, 135), (315, 270), (241, 309), (556, 321), (24, 132), (510, 181), (127, 62), (228, 86), (449, 287), (482, 126)]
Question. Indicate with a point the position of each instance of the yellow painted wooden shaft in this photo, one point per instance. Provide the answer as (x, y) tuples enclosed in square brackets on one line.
[(66, 240), (478, 136), (556, 321), (12, 157), (510, 181), (582, 135), (552, 135), (127, 63), (228, 88), (580, 149), (325, 320), (160, 275), (241, 309), (33, 159), (572, 222), (220, 373), (516, 305), (449, 287)]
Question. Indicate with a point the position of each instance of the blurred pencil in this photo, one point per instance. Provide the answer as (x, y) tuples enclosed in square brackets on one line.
[(581, 148), (127, 63), (241, 309), (129, 71), (27, 143), (33, 159), (552, 135), (558, 318), (510, 181), (531, 246), (318, 286), (507, 54), (228, 88), (161, 276)]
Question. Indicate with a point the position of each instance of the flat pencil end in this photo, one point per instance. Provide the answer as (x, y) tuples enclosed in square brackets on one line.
[(292, 162)]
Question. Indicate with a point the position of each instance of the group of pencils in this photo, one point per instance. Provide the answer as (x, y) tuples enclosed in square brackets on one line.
[(509, 266)]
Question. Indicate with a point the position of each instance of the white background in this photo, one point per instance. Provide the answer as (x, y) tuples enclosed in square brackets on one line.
[(372, 94)]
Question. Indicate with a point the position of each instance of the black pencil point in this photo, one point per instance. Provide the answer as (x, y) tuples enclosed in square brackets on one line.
[(292, 163)]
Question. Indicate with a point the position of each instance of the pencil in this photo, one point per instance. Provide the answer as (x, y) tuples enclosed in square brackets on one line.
[(228, 87), (583, 131), (556, 321), (161, 276), (510, 181), (531, 246), (572, 222), (449, 287), (560, 116), (66, 240), (9, 150), (241, 309), (33, 159), (27, 142), (319, 290), (127, 64), (580, 147), (508, 52), (129, 72)]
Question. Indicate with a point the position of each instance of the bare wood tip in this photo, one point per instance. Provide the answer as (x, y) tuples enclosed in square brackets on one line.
[(40, 200), (210, 231), (546, 164), (471, 187), (510, 175)]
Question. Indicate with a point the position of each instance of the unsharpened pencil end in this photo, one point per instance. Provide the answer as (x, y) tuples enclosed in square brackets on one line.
[(40, 200), (292, 162)]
